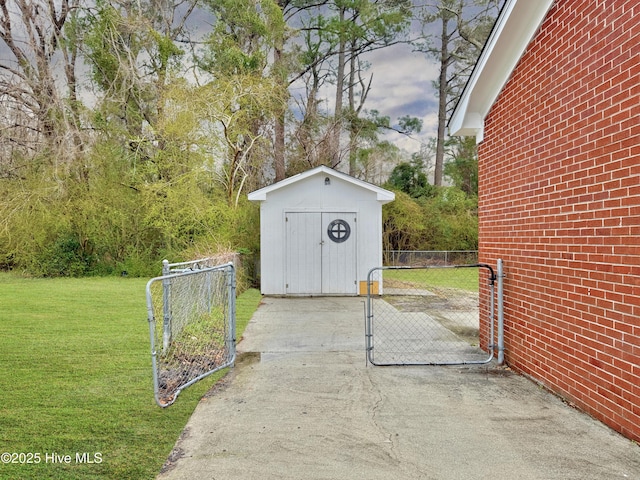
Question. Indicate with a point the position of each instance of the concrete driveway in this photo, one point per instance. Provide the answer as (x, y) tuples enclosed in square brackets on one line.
[(301, 403)]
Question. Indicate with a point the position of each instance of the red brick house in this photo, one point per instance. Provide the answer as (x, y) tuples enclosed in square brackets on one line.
[(554, 103)]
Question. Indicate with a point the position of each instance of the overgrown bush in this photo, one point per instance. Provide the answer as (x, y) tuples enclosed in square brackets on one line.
[(445, 221), (118, 218)]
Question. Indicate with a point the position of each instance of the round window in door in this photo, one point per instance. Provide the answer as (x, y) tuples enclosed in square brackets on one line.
[(339, 231)]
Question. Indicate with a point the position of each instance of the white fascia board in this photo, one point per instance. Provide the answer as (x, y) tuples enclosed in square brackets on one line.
[(385, 196), (382, 195), (516, 26)]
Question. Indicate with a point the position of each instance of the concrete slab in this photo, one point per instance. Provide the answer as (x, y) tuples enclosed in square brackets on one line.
[(302, 404)]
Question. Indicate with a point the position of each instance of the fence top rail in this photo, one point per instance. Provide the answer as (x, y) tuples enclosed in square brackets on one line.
[(433, 251), (184, 273), (177, 273), (434, 267), (200, 263)]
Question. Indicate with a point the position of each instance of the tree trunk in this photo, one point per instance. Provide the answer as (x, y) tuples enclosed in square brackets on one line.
[(352, 111), (279, 140), (442, 102), (337, 122)]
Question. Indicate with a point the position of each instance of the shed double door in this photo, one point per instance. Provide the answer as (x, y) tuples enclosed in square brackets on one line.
[(320, 253)]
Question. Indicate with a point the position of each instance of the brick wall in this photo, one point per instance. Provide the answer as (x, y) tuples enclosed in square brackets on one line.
[(560, 204)]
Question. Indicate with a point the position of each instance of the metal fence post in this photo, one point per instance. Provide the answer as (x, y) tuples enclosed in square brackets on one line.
[(231, 292), (367, 320), (500, 313), (152, 328), (166, 307)]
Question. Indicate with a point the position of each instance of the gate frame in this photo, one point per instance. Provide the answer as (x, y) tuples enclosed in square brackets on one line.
[(492, 320), (230, 341)]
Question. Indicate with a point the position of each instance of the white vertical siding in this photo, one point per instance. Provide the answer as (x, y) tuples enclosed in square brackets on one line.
[(289, 251)]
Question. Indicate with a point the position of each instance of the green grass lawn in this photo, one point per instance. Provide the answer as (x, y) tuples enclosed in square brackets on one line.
[(435, 278), (75, 378)]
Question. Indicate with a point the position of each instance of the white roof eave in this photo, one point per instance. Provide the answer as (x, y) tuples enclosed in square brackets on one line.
[(516, 26), (382, 195)]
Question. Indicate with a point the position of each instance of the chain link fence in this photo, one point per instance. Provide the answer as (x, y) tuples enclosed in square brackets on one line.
[(427, 258), (191, 313), (427, 315)]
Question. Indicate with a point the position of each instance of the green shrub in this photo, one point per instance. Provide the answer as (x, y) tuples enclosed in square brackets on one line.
[(446, 220), (66, 257)]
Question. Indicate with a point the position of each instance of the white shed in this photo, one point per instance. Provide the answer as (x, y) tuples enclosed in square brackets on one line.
[(320, 233)]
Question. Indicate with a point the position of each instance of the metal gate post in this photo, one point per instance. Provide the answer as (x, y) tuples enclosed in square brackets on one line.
[(152, 329), (500, 313), (367, 319), (166, 307), (231, 299)]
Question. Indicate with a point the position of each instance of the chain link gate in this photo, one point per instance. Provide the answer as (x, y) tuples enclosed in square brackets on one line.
[(196, 336), (428, 315)]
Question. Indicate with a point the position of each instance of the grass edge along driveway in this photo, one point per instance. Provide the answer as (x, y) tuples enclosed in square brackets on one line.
[(75, 380)]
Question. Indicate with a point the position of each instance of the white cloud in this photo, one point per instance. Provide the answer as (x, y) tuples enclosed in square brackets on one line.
[(400, 76), (402, 85)]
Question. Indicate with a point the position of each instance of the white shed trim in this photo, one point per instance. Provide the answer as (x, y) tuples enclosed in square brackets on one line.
[(382, 195), (517, 24)]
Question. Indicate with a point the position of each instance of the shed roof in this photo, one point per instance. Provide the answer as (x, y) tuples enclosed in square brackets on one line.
[(515, 27), (382, 195)]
